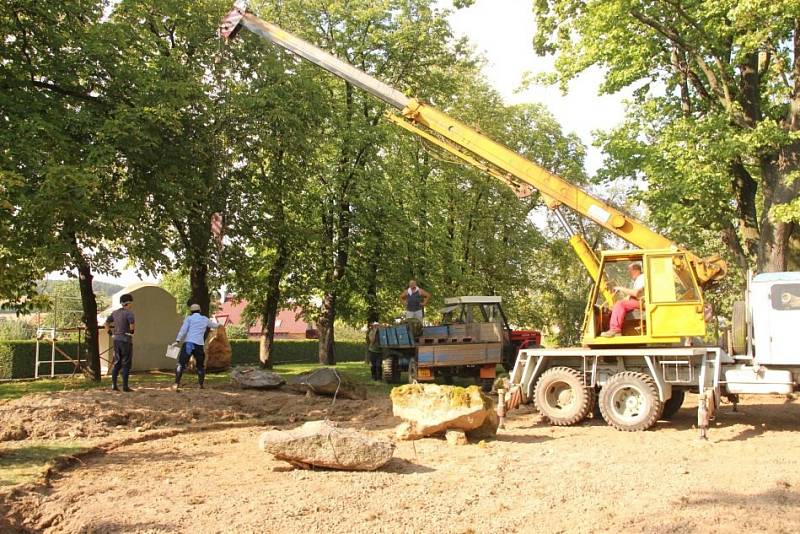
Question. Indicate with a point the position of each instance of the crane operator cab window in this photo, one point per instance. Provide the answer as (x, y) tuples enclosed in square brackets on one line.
[(670, 307)]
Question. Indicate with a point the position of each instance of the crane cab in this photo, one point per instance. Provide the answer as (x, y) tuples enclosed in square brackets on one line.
[(671, 306)]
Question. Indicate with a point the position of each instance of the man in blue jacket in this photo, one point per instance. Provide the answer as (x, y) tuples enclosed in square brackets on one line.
[(193, 332)]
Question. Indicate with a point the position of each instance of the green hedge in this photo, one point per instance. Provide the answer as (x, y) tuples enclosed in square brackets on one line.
[(17, 358), (245, 351)]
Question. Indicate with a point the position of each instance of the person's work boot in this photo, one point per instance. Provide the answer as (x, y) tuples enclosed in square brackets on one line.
[(610, 333), (114, 387), (175, 387), (126, 389), (201, 385)]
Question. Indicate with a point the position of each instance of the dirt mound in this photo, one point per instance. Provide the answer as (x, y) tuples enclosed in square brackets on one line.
[(99, 413)]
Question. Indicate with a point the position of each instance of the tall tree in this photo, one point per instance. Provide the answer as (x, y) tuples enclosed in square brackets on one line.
[(400, 41), (713, 126), (174, 118), (274, 216), (59, 171)]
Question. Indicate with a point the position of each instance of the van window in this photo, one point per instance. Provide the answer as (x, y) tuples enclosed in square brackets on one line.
[(785, 296)]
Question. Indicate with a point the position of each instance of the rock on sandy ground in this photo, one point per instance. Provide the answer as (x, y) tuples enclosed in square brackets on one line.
[(323, 444), (531, 478), (428, 409), (218, 351), (327, 381), (255, 378)]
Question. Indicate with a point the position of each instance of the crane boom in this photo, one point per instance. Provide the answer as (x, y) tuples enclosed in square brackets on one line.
[(477, 149)]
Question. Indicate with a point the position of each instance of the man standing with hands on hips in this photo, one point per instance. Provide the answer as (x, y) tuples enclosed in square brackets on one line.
[(415, 298), (194, 332)]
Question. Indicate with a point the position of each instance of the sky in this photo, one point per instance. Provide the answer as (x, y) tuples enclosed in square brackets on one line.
[(502, 31)]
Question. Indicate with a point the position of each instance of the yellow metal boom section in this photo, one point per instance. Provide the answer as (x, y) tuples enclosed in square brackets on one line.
[(480, 151)]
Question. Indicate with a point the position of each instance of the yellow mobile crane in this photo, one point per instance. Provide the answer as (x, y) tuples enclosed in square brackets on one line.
[(673, 306), (671, 310)]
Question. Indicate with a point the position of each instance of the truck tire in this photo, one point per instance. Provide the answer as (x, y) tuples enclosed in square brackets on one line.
[(561, 396), (391, 369), (739, 327), (673, 404), (629, 402)]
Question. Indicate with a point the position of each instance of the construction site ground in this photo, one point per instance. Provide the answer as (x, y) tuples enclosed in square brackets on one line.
[(160, 461)]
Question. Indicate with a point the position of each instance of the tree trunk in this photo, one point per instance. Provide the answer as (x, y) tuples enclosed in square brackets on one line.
[(89, 306), (775, 235), (89, 303), (269, 312), (327, 352), (198, 279)]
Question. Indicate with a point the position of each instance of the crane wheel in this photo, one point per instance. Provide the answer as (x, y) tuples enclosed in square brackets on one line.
[(391, 369), (562, 397), (673, 404), (629, 402), (739, 328)]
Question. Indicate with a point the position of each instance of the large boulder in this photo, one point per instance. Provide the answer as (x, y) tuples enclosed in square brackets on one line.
[(428, 409), (255, 378), (327, 381), (323, 444), (218, 351)]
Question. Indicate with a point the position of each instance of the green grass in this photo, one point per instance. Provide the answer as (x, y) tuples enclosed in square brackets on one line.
[(356, 371), (26, 463)]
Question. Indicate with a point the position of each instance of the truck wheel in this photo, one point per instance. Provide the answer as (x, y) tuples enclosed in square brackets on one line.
[(629, 401), (673, 404), (391, 369), (739, 328), (561, 396), (412, 371)]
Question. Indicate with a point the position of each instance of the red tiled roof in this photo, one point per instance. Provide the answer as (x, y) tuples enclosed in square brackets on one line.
[(230, 314)]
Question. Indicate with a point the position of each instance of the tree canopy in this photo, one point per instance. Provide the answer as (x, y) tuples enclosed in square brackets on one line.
[(710, 142)]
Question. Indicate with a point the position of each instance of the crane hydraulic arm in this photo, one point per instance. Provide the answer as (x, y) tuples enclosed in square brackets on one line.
[(478, 150)]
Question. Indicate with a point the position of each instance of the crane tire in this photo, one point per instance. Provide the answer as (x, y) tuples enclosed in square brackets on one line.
[(739, 327), (673, 404), (562, 397), (629, 402)]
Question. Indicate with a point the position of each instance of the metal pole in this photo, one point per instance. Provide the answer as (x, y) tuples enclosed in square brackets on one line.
[(564, 223)]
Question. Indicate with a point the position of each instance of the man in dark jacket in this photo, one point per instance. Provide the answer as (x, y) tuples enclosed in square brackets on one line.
[(121, 325)]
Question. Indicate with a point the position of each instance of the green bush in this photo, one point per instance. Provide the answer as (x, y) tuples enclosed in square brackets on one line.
[(17, 358)]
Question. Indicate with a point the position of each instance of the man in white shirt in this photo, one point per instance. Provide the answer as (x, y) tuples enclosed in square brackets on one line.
[(629, 303), (194, 332)]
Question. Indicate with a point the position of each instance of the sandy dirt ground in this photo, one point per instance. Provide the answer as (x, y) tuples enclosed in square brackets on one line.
[(532, 478)]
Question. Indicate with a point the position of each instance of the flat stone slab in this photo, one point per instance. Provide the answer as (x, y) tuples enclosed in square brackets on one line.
[(327, 381), (429, 409), (323, 444), (256, 378)]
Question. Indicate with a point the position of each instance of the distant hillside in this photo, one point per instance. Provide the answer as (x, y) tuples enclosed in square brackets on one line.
[(105, 288), (59, 286)]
